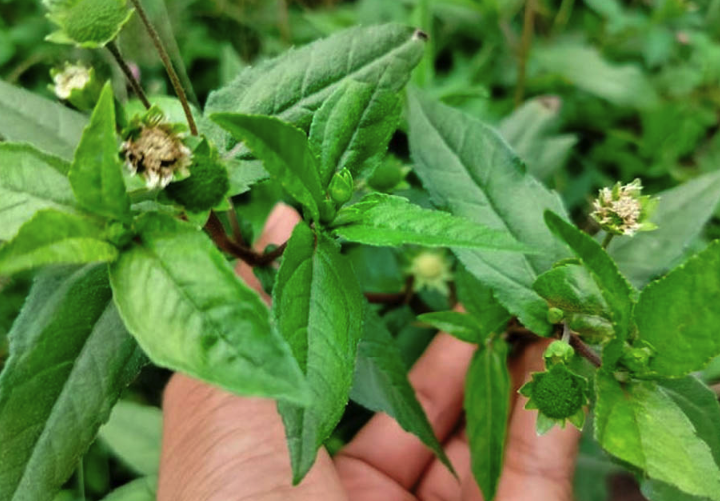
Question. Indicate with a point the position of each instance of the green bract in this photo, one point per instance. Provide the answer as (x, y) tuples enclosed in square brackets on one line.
[(87, 23)]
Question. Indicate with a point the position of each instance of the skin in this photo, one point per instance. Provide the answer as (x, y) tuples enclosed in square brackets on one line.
[(221, 447)]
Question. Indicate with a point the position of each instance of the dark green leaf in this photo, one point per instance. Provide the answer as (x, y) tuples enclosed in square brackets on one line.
[(641, 424), (53, 237), (468, 168), (181, 300), (134, 433), (70, 359), (317, 305), (96, 172), (460, 325), (487, 403), (49, 126), (678, 315), (353, 127), (477, 298), (296, 84), (381, 384), (284, 151), (387, 220), (30, 181), (680, 216)]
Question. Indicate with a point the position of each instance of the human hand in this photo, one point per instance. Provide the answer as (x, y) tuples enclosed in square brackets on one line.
[(221, 447)]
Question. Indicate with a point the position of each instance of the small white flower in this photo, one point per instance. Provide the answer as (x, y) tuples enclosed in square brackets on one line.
[(71, 77), (623, 210)]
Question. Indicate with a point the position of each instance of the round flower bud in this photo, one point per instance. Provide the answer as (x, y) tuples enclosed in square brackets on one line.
[(558, 393), (637, 358), (555, 315), (76, 84), (388, 174), (119, 234), (558, 352), (205, 188), (431, 270), (341, 187)]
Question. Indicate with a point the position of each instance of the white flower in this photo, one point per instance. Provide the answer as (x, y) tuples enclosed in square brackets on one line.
[(71, 77), (623, 210), (157, 153)]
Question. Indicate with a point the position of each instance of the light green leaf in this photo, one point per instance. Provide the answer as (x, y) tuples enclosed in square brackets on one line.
[(293, 86), (30, 181), (680, 216), (96, 172), (678, 315), (660, 491), (351, 130), (49, 126), (460, 325), (639, 423), (142, 489), (317, 305), (70, 359), (387, 220), (53, 237), (134, 433), (88, 24), (284, 151), (181, 300), (584, 67), (616, 290), (381, 384), (469, 169), (487, 403)]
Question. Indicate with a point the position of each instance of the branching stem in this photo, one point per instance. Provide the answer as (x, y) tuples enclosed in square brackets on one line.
[(215, 229), (136, 87), (584, 350)]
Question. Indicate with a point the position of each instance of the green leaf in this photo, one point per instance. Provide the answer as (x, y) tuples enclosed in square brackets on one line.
[(616, 290), (49, 126), (96, 172), (469, 169), (89, 24), (142, 489), (293, 86), (680, 216), (387, 220), (285, 152), (639, 423), (678, 315), (660, 491), (351, 130), (459, 325), (134, 433), (487, 402), (30, 181), (243, 175), (478, 300), (381, 384), (70, 359), (181, 300), (53, 237), (317, 306)]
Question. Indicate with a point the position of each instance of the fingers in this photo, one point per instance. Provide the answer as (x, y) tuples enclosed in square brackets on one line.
[(438, 378), (438, 483), (542, 467)]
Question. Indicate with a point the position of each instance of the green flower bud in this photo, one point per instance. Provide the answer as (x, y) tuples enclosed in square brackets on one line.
[(432, 270), (119, 234), (623, 211), (76, 84), (87, 23), (637, 358), (388, 174), (205, 188), (559, 395), (592, 329), (555, 315), (341, 187), (559, 352)]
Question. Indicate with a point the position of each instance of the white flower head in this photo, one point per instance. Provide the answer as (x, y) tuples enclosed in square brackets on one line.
[(623, 210), (71, 77)]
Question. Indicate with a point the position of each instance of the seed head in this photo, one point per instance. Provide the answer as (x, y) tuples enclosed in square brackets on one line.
[(622, 210)]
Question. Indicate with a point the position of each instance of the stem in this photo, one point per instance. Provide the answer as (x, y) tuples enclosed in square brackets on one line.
[(584, 350), (527, 35), (606, 241), (81, 479), (136, 87), (215, 229), (165, 58), (563, 15), (566, 333)]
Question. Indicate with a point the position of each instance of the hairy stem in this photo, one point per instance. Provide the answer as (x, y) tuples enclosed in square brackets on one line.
[(584, 350), (165, 58), (527, 36), (136, 87)]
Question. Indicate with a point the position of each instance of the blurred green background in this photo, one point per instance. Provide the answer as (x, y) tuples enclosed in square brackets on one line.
[(588, 92)]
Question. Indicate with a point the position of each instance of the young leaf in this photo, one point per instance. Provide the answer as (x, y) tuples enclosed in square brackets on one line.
[(296, 84), (142, 489), (616, 290), (381, 384), (387, 220), (134, 433), (89, 24), (460, 325), (53, 237), (96, 172), (468, 168), (30, 181), (285, 152), (640, 424), (680, 216), (678, 315), (317, 305), (47, 125), (487, 402), (70, 359), (353, 127), (181, 300)]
